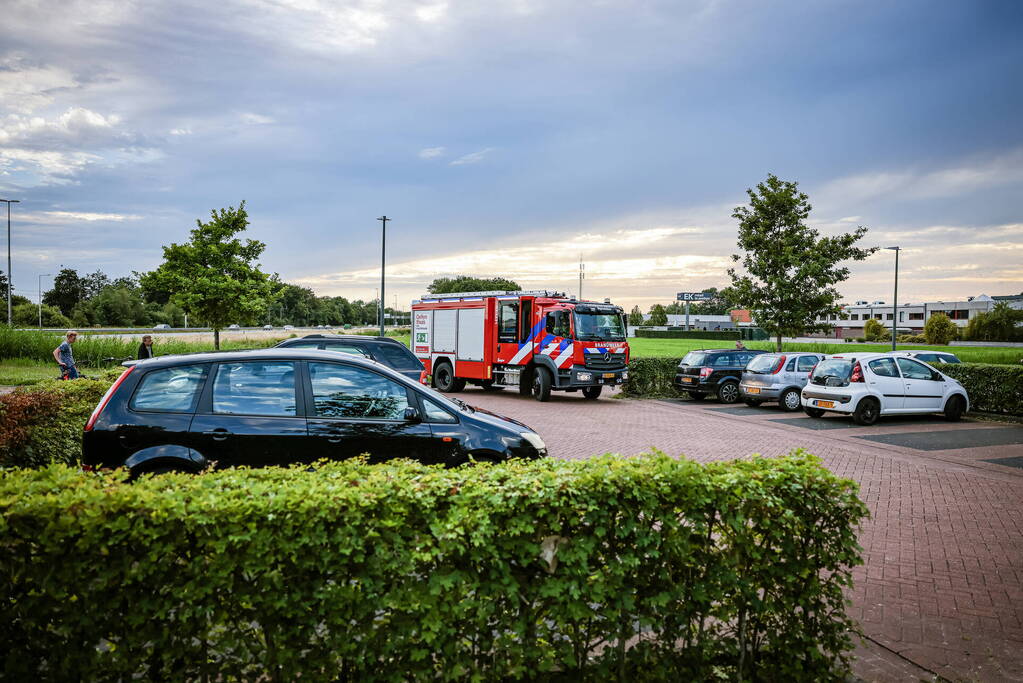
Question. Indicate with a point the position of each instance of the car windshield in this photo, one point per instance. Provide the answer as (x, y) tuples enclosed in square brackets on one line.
[(694, 358), (835, 368), (599, 327), (763, 363)]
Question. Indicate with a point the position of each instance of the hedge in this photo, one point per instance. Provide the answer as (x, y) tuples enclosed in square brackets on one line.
[(991, 388), (651, 377), (646, 568), (689, 334), (43, 423)]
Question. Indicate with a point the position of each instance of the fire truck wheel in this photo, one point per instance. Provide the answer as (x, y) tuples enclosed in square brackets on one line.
[(444, 378), (592, 392), (542, 384)]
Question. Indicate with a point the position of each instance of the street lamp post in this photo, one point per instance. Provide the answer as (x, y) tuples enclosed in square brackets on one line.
[(895, 302), (10, 278), (41, 297), (383, 251)]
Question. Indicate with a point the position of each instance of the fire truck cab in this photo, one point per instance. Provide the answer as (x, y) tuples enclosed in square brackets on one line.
[(537, 341)]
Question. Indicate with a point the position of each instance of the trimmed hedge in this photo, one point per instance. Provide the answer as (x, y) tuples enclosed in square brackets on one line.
[(688, 334), (992, 388), (42, 424), (651, 377), (646, 568)]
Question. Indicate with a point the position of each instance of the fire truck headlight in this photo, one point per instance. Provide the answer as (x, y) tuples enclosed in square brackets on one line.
[(584, 376), (534, 440)]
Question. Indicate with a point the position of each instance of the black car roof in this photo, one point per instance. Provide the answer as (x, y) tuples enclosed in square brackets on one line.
[(342, 337)]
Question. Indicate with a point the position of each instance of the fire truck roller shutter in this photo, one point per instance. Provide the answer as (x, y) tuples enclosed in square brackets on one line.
[(470, 334), (445, 331)]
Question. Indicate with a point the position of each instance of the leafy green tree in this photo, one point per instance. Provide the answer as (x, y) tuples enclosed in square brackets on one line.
[(69, 289), (215, 276), (635, 316), (716, 305), (658, 316), (27, 315), (1001, 323), (873, 330), (790, 270), (939, 329), (468, 283), (118, 306)]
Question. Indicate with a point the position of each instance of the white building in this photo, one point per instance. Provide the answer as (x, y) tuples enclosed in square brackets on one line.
[(912, 317)]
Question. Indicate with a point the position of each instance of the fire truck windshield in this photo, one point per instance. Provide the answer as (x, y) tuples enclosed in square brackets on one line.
[(599, 327)]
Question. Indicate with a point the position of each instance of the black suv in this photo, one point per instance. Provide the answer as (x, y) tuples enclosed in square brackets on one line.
[(386, 350), (716, 371), (286, 406)]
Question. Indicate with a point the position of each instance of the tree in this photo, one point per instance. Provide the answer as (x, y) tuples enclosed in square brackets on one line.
[(873, 330), (1001, 323), (468, 283), (635, 316), (939, 329), (715, 305), (68, 291), (791, 271), (658, 316), (27, 315), (215, 276)]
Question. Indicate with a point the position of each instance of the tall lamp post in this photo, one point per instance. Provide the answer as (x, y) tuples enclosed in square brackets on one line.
[(41, 297), (383, 251), (895, 303), (10, 278)]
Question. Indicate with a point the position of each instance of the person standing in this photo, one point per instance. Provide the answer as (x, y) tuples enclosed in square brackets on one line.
[(146, 347), (740, 346), (62, 354)]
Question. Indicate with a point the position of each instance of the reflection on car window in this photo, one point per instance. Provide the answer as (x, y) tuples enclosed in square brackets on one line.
[(347, 348), (913, 370), (883, 367), (346, 391), (397, 357), (255, 388), (434, 413), (806, 363), (170, 389), (304, 345), (723, 360)]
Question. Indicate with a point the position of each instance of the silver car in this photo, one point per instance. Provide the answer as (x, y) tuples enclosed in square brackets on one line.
[(777, 377)]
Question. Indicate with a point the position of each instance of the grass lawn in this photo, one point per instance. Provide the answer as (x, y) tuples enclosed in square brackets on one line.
[(23, 371)]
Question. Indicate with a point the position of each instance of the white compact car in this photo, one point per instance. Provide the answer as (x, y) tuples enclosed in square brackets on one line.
[(868, 386)]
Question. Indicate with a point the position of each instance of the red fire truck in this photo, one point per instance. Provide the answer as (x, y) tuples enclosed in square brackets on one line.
[(538, 341)]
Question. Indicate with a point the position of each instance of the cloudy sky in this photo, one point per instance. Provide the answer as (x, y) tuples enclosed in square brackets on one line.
[(513, 137)]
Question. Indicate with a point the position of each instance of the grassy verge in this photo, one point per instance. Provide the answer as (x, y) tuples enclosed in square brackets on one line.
[(676, 348)]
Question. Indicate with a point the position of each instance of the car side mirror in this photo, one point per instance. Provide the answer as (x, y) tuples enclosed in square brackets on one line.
[(412, 415)]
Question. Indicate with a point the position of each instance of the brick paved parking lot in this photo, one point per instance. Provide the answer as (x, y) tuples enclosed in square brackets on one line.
[(941, 591)]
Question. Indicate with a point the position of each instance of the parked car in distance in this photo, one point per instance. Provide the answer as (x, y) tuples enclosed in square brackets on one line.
[(868, 386), (236, 326), (282, 407), (289, 327), (715, 371), (777, 377), (385, 350), (268, 327), (932, 357), (161, 326)]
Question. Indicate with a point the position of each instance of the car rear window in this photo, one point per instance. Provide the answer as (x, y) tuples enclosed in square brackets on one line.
[(765, 362), (172, 390), (694, 358), (839, 368), (398, 357)]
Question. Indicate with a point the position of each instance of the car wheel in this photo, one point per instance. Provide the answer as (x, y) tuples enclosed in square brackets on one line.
[(789, 400), (728, 392), (444, 378), (541, 384), (955, 406), (814, 412), (867, 411), (591, 392), (752, 402), (697, 396)]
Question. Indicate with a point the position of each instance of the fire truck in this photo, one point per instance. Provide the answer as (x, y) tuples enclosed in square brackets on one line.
[(537, 341)]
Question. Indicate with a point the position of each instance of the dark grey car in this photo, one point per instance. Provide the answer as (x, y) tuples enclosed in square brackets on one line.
[(777, 377)]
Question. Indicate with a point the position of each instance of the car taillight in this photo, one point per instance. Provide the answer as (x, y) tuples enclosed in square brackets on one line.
[(106, 397), (857, 373), (705, 372), (422, 377), (779, 366)]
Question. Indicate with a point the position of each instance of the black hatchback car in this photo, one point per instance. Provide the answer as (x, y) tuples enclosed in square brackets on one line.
[(386, 350), (286, 406), (716, 371)]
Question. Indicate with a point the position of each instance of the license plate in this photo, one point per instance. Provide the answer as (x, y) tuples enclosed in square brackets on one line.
[(752, 390), (609, 375), (825, 404), (687, 379)]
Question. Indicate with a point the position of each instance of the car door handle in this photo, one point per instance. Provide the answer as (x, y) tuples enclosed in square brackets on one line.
[(218, 434)]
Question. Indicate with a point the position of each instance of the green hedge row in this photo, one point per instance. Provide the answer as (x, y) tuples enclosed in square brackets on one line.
[(43, 423), (646, 568), (992, 388), (688, 334), (651, 377)]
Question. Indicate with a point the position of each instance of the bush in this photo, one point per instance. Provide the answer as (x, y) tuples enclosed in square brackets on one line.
[(861, 340), (991, 388), (530, 570), (939, 330), (912, 339), (688, 334), (43, 424), (651, 377), (873, 330)]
